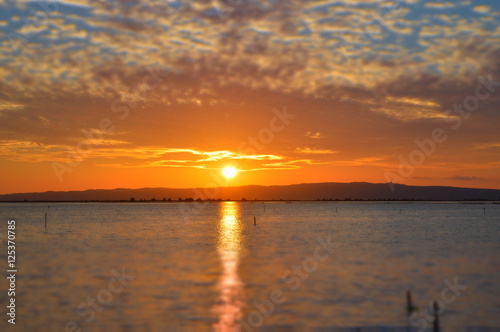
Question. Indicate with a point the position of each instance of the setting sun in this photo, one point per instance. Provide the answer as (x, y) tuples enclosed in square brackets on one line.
[(229, 172)]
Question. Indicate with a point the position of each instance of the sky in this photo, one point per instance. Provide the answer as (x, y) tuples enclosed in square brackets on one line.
[(131, 94)]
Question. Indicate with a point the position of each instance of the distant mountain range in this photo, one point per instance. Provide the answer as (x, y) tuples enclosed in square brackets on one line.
[(305, 191)]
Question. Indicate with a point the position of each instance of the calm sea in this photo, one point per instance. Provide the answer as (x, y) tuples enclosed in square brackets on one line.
[(206, 266)]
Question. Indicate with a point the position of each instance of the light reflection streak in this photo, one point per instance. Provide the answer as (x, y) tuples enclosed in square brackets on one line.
[(229, 304)]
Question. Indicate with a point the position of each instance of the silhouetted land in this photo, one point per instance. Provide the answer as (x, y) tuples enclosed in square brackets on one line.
[(299, 192)]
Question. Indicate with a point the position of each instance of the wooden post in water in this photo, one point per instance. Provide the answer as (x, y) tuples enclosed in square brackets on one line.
[(436, 317), (254, 221), (45, 221), (409, 304)]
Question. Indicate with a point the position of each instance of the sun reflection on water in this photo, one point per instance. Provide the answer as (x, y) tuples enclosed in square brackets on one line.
[(229, 303)]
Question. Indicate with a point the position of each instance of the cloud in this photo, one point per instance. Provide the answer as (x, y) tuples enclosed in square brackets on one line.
[(488, 145), (467, 178), (7, 107), (313, 135), (439, 5), (314, 151), (123, 155), (482, 9)]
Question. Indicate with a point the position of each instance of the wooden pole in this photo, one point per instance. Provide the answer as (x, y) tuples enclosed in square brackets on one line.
[(436, 317), (254, 221), (409, 304)]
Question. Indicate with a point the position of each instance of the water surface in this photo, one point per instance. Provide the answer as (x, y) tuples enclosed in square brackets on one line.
[(205, 266)]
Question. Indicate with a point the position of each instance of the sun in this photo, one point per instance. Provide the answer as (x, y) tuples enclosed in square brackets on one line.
[(229, 172)]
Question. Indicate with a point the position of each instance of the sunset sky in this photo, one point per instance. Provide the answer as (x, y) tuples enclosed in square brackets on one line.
[(131, 94)]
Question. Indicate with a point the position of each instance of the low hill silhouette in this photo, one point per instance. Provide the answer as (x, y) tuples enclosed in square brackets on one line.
[(305, 191)]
